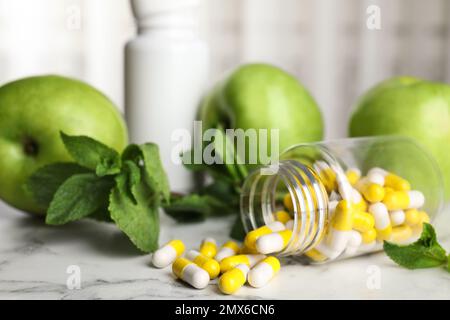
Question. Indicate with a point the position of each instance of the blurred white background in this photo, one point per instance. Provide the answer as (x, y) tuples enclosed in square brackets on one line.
[(325, 43)]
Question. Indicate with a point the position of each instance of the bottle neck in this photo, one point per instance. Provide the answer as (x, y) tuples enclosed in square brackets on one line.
[(180, 21), (261, 198)]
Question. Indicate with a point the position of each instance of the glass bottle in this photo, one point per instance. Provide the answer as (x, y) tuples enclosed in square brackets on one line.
[(345, 197)]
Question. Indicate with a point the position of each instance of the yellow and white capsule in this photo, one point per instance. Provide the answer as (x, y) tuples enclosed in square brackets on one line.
[(282, 216), (208, 264), (341, 224), (230, 248), (391, 180), (190, 273), (273, 242), (252, 236), (400, 234), (372, 192), (248, 259), (232, 280), (362, 221), (263, 272), (290, 224), (397, 217), (353, 175), (401, 200), (382, 220), (423, 218), (208, 247), (167, 254)]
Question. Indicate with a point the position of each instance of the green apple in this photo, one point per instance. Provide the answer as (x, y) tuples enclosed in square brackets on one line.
[(410, 107), (33, 111), (262, 96)]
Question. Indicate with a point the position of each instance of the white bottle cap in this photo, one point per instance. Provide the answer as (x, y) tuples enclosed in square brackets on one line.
[(143, 8)]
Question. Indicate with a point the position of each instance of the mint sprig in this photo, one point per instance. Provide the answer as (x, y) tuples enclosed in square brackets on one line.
[(127, 189), (426, 252), (219, 197)]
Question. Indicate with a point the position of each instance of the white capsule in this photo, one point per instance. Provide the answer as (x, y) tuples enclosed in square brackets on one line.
[(381, 215), (167, 254), (354, 242), (397, 217), (416, 199), (263, 272), (376, 177)]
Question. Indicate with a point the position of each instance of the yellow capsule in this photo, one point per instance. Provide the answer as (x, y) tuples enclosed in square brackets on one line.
[(252, 236), (361, 205), (384, 234), (363, 221), (230, 248), (287, 202), (232, 280), (208, 264), (208, 247), (342, 219), (353, 175), (315, 255), (412, 217), (369, 236), (282, 216), (372, 192), (423, 218), (400, 233), (396, 200), (248, 259), (397, 183)]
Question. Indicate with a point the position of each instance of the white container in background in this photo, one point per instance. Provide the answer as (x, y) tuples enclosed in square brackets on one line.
[(166, 73)]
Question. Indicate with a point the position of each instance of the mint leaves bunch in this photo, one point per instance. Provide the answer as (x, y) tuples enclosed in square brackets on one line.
[(219, 197), (426, 252), (127, 189)]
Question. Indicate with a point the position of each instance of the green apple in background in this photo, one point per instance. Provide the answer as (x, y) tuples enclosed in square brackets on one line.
[(262, 96), (33, 111), (410, 107)]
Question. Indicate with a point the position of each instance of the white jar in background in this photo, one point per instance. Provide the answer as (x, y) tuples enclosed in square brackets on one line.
[(166, 73)]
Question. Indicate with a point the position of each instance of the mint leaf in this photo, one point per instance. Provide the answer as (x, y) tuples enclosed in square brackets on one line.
[(44, 182), (194, 207), (424, 253), (78, 197), (92, 154), (134, 210), (147, 156)]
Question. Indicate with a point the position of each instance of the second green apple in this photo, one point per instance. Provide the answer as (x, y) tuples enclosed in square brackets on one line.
[(261, 96)]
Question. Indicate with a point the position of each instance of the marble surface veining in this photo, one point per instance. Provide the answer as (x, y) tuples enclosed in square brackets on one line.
[(36, 260)]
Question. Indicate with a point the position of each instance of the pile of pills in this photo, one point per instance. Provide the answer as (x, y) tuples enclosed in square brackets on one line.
[(233, 263), (363, 211)]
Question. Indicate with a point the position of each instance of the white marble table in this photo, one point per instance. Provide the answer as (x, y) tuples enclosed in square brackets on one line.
[(34, 260)]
